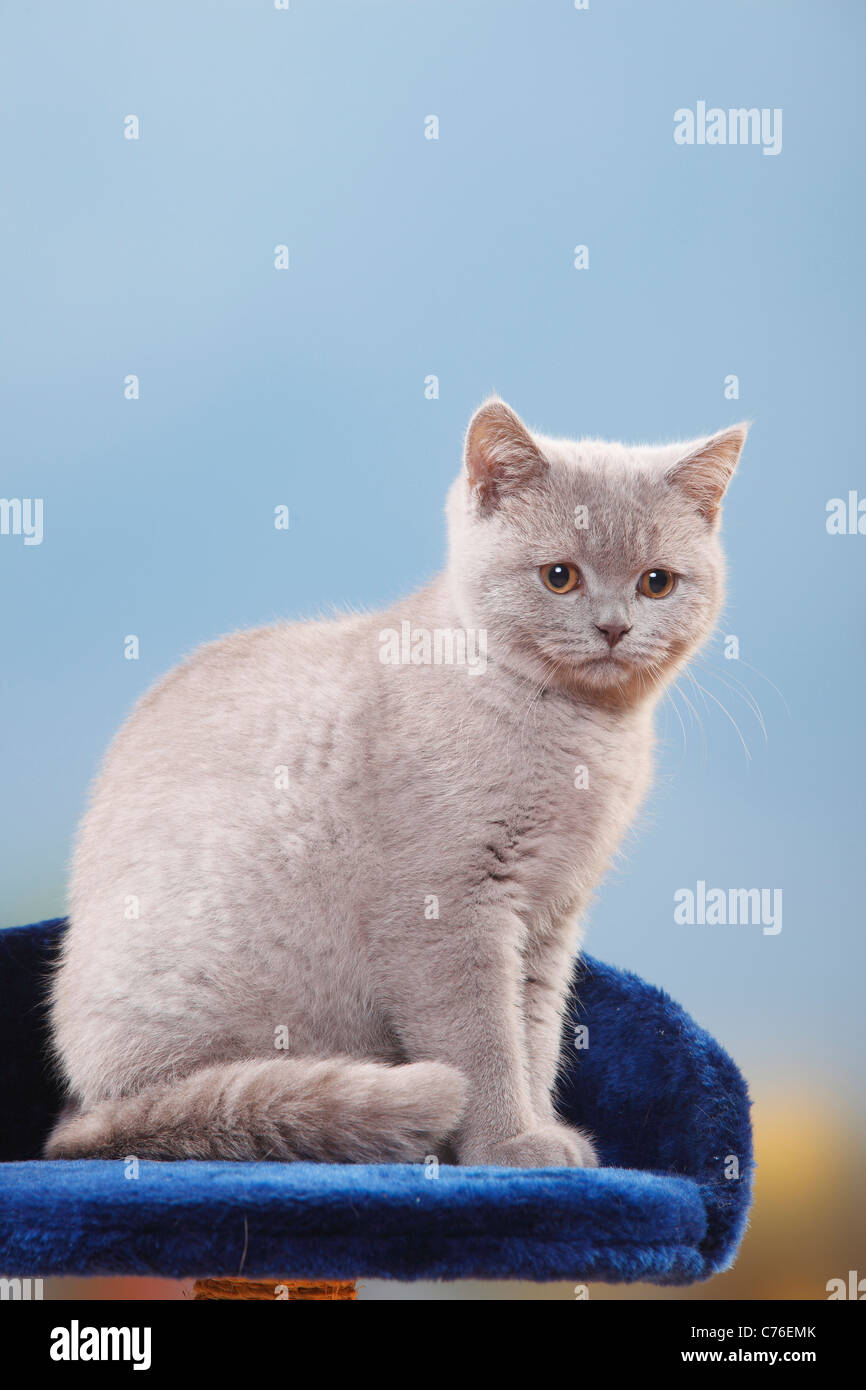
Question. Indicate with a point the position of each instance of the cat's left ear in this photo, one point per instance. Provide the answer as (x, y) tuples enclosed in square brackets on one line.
[(705, 469)]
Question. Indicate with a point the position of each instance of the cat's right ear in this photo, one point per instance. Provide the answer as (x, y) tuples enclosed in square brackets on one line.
[(501, 456)]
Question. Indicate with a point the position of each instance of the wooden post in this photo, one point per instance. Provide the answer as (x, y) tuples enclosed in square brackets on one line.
[(274, 1290)]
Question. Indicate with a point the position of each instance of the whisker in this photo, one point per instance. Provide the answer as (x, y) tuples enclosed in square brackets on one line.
[(669, 695), (769, 682), (742, 691), (697, 717), (727, 714)]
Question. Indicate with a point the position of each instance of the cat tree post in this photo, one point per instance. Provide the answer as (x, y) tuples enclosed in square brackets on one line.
[(274, 1290)]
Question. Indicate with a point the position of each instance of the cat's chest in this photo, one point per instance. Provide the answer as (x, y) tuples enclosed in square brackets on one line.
[(574, 792)]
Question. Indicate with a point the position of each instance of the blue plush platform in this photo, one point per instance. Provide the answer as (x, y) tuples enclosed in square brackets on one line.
[(668, 1107)]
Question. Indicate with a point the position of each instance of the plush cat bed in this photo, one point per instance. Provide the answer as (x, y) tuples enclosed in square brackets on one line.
[(668, 1107)]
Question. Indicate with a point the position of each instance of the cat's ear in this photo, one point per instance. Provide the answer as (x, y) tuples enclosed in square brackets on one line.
[(705, 469), (501, 456)]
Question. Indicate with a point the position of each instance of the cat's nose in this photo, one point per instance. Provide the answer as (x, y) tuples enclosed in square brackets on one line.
[(613, 632)]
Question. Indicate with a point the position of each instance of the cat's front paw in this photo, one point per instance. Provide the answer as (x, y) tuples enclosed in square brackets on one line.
[(549, 1146)]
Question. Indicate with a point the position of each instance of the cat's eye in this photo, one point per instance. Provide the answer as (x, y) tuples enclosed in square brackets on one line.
[(560, 579), (656, 583)]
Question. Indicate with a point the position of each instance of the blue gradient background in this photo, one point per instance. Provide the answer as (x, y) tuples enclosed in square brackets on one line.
[(453, 257)]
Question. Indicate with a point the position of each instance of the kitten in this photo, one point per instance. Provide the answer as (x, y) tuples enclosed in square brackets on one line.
[(325, 906)]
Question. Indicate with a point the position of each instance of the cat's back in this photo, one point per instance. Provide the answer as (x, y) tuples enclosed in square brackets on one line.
[(227, 694), (206, 821), (203, 747)]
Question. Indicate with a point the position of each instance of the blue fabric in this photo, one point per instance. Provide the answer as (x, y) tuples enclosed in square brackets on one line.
[(668, 1107)]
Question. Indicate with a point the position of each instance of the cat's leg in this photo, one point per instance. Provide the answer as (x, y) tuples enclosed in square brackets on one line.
[(459, 999), (548, 962)]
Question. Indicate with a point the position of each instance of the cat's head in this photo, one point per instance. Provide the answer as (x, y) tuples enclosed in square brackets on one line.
[(596, 567)]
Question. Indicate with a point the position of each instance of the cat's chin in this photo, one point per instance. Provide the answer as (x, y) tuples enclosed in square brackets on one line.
[(612, 679), (615, 679)]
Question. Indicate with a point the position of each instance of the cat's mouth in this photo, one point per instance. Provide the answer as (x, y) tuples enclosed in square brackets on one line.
[(619, 674), (611, 659), (617, 668), (628, 670)]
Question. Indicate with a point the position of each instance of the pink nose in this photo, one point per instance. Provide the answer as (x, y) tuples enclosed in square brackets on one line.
[(613, 632)]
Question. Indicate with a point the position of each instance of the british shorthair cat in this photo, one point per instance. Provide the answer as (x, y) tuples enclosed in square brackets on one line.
[(328, 894)]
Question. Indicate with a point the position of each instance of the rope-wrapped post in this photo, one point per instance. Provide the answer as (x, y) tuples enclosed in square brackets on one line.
[(274, 1290)]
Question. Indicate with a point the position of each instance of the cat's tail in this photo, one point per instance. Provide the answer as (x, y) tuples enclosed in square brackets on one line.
[(331, 1110)]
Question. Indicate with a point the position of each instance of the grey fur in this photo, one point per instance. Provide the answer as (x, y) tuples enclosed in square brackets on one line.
[(283, 810)]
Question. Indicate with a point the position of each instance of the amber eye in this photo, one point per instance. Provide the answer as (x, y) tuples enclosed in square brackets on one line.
[(560, 579), (656, 583)]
